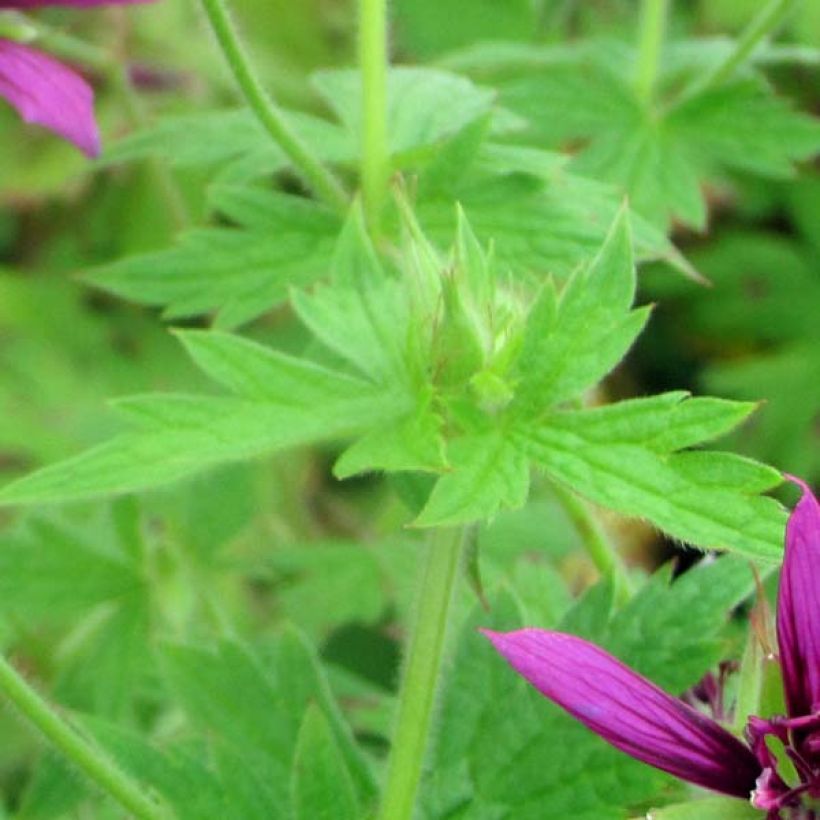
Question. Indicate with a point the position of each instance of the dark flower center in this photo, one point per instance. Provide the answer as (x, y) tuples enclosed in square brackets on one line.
[(788, 750)]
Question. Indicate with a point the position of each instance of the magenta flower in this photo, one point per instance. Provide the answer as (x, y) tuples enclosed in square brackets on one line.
[(46, 92), (639, 718)]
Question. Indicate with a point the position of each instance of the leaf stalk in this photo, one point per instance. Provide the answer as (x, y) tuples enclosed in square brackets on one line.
[(318, 177), (92, 761), (600, 549), (424, 659), (373, 63), (654, 14), (768, 20)]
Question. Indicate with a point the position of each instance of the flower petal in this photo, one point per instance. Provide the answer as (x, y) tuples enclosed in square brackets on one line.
[(628, 711), (798, 607), (50, 94)]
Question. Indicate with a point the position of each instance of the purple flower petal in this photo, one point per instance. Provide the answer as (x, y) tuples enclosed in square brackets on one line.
[(798, 607), (628, 711), (50, 94)]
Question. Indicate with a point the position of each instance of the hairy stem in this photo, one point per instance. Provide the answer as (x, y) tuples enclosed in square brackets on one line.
[(653, 29), (375, 163), (318, 177), (767, 20), (93, 762), (600, 549), (424, 658)]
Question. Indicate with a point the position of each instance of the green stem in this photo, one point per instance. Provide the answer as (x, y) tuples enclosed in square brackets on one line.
[(90, 760), (769, 18), (425, 654), (653, 30), (320, 179), (74, 49), (600, 549), (375, 167)]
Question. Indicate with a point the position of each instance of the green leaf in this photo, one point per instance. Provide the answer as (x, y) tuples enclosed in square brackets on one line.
[(673, 633), (229, 139), (710, 808), (538, 227), (675, 491), (247, 791), (179, 776), (410, 442), (322, 788), (425, 27), (105, 674), (257, 707), (50, 569), (660, 155), (573, 341), (279, 241), (283, 402), (667, 421), (491, 762), (345, 577), (424, 105), (488, 473), (744, 125), (364, 315)]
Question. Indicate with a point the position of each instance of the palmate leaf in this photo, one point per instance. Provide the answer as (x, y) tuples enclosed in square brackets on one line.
[(495, 753), (276, 400), (256, 708), (659, 155), (393, 341), (425, 106), (495, 750), (634, 457), (280, 241), (280, 402), (538, 226)]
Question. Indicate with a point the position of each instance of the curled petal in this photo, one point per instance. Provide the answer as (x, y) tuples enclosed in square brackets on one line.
[(798, 607), (629, 711), (50, 94)]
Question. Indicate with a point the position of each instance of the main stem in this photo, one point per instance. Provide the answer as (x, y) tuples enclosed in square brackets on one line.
[(769, 18), (90, 760), (600, 549), (423, 665), (653, 29), (320, 179), (375, 163)]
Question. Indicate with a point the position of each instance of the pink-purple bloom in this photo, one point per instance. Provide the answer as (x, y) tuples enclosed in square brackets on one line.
[(43, 90), (639, 718)]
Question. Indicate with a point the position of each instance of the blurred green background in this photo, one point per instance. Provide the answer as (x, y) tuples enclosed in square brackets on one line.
[(66, 348)]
